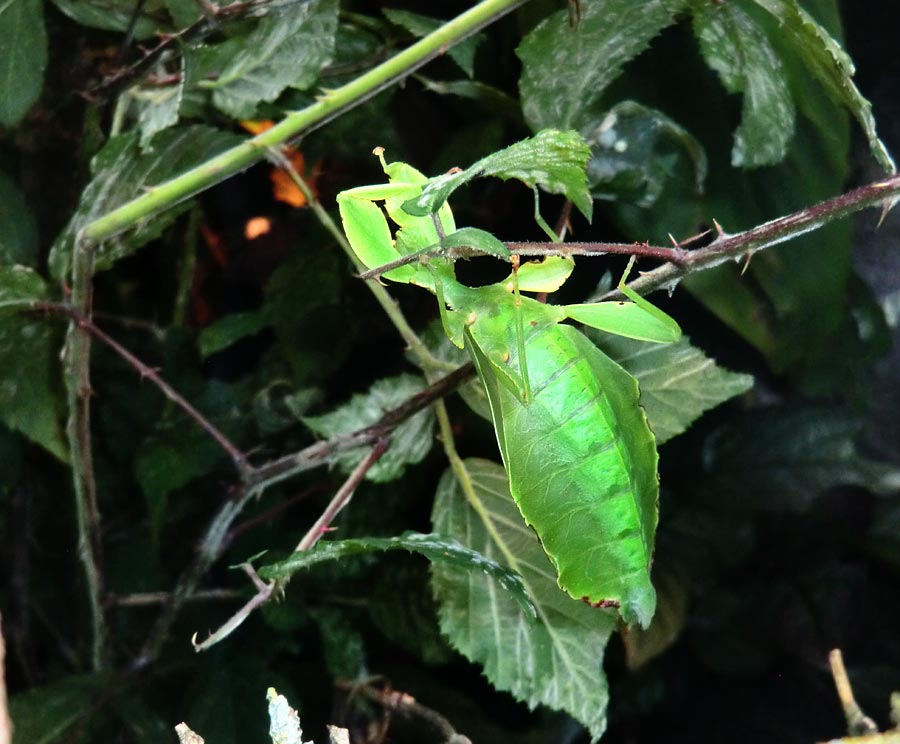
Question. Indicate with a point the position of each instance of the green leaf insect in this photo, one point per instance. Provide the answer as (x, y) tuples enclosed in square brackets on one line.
[(581, 459)]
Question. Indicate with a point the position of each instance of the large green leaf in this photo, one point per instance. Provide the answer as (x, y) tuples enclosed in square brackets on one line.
[(678, 381), (737, 48), (565, 70), (582, 466), (18, 230), (551, 159), (410, 441), (831, 65), (288, 47), (555, 660), (29, 400), (121, 170), (780, 458), (24, 57), (435, 547)]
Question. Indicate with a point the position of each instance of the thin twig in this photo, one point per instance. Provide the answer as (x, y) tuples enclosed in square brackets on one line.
[(6, 727), (216, 535), (264, 591), (407, 706), (144, 599), (78, 430), (85, 324), (343, 496), (270, 513), (277, 470), (728, 247), (858, 723)]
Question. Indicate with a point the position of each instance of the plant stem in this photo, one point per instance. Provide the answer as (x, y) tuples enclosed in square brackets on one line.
[(391, 308), (6, 728), (328, 106), (858, 723), (78, 430)]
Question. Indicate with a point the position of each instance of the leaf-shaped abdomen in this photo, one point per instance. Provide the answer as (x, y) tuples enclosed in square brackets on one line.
[(582, 467)]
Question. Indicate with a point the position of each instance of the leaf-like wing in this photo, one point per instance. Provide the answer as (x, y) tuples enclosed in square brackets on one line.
[(436, 548), (582, 462), (555, 660)]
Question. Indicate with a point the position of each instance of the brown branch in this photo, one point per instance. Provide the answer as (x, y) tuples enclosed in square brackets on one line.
[(277, 470), (727, 247), (216, 535), (143, 599), (86, 325)]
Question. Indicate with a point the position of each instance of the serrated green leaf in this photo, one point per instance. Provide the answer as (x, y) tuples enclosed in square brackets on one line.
[(556, 660), (435, 547), (43, 714), (18, 230), (678, 381), (28, 373), (737, 48), (410, 441), (289, 47), (630, 154), (120, 172), (565, 70), (419, 25), (784, 458), (229, 329), (551, 159), (831, 66), (24, 44)]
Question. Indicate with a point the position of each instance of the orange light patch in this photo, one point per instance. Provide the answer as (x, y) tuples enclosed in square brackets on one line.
[(283, 187), (256, 226)]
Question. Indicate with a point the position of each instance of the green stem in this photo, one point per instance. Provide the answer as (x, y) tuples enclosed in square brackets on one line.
[(426, 360), (78, 430), (328, 106)]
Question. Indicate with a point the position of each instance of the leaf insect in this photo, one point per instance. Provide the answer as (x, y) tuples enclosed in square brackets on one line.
[(581, 458)]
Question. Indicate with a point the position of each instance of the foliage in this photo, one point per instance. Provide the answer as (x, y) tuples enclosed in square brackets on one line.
[(724, 504)]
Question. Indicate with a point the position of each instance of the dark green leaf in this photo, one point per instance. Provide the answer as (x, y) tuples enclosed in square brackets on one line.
[(22, 62), (18, 231), (780, 458), (113, 15), (556, 660), (436, 548), (121, 171), (158, 105), (288, 47), (565, 70), (228, 330), (632, 156), (410, 441), (342, 642), (553, 160), (418, 25), (737, 48), (29, 353), (678, 381), (830, 65), (43, 714)]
